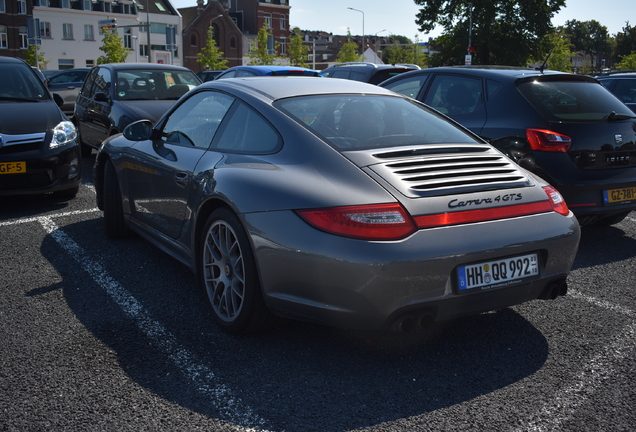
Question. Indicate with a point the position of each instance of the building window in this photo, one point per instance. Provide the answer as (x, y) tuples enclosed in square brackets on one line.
[(232, 43), (270, 45), (128, 38), (193, 40), (88, 32), (45, 29), (143, 50), (63, 64), (86, 5), (107, 7), (268, 20), (67, 31), (2, 7), (3, 37), (90, 63), (283, 45), (283, 22), (66, 4), (22, 10), (24, 38)]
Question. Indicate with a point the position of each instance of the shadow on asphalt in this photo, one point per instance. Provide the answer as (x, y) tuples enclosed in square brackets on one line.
[(603, 245), (298, 377)]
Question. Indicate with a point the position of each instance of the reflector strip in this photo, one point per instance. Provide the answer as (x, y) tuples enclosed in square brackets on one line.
[(482, 215)]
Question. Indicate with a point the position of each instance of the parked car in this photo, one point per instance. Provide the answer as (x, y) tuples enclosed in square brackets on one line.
[(115, 95), (209, 75), (39, 73), (623, 85), (565, 128), (266, 70), (49, 73), (67, 83), (335, 202), (367, 72), (39, 152)]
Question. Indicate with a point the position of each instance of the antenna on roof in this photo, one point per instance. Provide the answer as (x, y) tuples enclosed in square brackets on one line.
[(545, 62)]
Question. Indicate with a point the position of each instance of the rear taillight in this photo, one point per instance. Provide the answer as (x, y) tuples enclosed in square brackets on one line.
[(545, 140), (368, 222), (556, 200)]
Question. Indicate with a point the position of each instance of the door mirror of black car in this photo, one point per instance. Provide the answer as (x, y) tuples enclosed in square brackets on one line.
[(59, 100), (140, 130), (101, 97)]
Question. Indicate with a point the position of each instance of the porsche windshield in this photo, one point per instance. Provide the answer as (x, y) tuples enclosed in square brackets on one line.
[(371, 121)]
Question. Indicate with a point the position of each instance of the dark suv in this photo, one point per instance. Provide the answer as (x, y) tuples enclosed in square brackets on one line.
[(566, 128), (623, 85), (367, 72)]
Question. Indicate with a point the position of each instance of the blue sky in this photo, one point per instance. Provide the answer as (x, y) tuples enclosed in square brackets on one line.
[(386, 17)]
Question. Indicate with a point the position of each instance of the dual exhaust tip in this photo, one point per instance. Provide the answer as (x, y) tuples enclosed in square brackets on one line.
[(421, 320)]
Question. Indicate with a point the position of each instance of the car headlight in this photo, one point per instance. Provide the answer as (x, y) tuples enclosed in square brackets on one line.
[(63, 134)]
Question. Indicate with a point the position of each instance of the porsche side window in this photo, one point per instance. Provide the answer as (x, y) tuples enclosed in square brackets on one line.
[(454, 95), (246, 131), (196, 120)]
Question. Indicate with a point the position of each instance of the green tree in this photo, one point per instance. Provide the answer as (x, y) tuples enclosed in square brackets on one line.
[(349, 51), (590, 38), (296, 50), (504, 32), (627, 62), (210, 57), (625, 42), (30, 57), (261, 53), (555, 50), (113, 46)]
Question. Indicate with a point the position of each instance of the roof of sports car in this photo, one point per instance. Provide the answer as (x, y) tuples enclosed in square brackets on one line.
[(286, 86)]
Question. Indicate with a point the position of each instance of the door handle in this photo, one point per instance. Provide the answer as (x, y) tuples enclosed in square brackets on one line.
[(181, 178)]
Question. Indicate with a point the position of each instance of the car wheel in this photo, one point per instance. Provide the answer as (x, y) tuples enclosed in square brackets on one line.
[(113, 208), (227, 273), (614, 219)]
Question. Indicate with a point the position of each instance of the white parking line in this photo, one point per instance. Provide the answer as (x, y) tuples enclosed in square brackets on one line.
[(598, 370), (229, 406)]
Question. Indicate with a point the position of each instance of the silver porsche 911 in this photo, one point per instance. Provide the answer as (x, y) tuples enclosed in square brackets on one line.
[(334, 202)]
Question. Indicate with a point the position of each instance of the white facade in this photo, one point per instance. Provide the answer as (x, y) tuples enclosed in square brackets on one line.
[(72, 37)]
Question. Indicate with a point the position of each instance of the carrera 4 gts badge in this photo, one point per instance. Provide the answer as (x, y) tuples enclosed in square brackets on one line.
[(477, 202)]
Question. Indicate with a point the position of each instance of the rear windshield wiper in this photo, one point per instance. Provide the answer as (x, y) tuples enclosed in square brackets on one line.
[(613, 116)]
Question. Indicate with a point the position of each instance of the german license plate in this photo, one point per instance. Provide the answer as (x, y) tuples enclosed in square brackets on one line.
[(497, 273), (12, 167), (619, 195)]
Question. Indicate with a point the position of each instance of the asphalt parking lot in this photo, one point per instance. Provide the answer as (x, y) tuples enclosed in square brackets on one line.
[(98, 334)]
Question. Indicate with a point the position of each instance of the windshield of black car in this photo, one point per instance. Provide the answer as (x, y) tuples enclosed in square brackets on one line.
[(19, 83), (153, 84), (371, 121), (572, 100)]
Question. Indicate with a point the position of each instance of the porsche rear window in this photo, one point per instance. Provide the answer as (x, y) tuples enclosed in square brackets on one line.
[(572, 100), (371, 121)]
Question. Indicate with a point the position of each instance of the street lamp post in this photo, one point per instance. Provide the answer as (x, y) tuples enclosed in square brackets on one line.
[(148, 31), (364, 40)]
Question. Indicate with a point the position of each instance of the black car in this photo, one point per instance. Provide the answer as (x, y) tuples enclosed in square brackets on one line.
[(115, 95), (39, 152), (367, 72), (566, 128), (209, 75), (67, 83), (623, 85)]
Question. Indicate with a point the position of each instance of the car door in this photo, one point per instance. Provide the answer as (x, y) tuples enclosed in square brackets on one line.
[(67, 85), (459, 97), (159, 175), (93, 112)]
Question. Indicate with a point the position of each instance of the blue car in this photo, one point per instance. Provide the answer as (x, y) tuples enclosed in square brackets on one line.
[(267, 70)]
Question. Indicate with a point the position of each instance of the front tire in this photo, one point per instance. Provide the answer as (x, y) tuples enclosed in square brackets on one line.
[(227, 273), (113, 208)]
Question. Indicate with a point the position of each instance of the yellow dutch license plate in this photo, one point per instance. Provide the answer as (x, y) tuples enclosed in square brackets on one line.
[(619, 195), (12, 167)]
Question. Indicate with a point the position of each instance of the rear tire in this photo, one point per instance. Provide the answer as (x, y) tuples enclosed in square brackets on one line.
[(227, 274), (113, 208)]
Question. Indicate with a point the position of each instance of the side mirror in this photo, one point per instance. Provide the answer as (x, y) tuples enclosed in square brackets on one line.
[(101, 97), (140, 130), (59, 100)]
